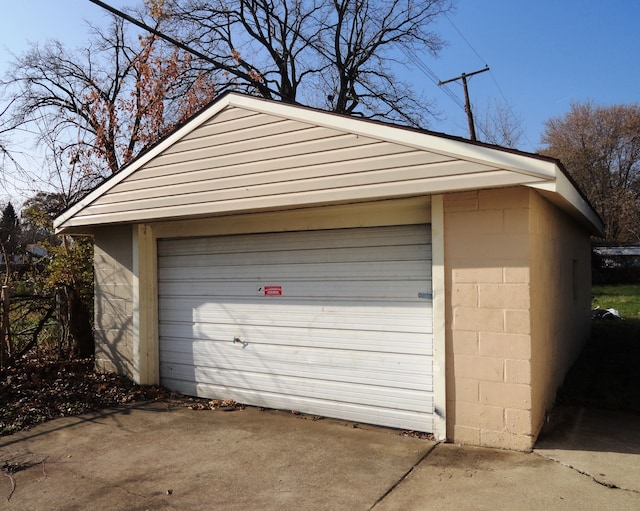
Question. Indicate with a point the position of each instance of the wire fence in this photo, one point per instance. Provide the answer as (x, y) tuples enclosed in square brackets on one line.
[(29, 323)]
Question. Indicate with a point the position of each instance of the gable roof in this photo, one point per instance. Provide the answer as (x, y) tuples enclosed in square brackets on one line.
[(244, 154)]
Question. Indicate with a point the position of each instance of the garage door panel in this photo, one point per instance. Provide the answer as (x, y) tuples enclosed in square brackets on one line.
[(275, 258), (326, 363), (255, 331), (346, 336), (371, 238), (236, 382), (375, 414), (373, 290), (252, 377), (309, 315), (357, 340), (357, 270), (276, 370), (301, 337), (377, 341), (299, 314)]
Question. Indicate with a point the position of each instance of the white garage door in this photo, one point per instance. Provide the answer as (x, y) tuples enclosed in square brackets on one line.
[(323, 322)]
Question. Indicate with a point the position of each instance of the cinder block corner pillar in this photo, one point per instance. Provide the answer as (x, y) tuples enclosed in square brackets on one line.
[(488, 322)]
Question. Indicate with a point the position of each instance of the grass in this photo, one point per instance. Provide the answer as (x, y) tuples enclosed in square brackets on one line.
[(607, 373), (625, 298)]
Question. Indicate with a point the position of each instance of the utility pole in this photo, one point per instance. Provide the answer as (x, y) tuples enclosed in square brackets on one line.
[(467, 103)]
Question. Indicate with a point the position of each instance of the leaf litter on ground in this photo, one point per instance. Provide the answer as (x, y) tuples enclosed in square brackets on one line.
[(36, 390)]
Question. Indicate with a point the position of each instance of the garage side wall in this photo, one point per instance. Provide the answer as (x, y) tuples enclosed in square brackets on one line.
[(561, 299), (488, 332), (113, 266)]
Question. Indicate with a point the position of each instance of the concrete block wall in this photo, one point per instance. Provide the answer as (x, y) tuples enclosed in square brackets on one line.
[(488, 318), (113, 327), (561, 300)]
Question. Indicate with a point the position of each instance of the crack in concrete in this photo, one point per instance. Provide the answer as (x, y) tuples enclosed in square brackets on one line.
[(611, 486), (404, 476)]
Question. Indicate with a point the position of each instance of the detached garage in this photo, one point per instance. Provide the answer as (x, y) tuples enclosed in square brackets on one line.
[(291, 258)]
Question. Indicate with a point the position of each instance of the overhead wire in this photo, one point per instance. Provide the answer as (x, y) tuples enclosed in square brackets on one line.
[(465, 39), (410, 53), (422, 66), (493, 76)]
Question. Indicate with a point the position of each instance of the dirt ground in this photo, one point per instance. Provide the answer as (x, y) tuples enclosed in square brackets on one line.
[(37, 390)]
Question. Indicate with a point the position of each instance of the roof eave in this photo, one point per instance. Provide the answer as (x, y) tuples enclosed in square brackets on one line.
[(129, 169), (536, 171), (566, 195)]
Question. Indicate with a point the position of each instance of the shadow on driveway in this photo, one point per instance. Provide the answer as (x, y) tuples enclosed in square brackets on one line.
[(160, 456)]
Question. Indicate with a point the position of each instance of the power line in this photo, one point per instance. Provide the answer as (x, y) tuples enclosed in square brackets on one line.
[(467, 102), (409, 53), (479, 56), (420, 64), (493, 76), (155, 32), (466, 41)]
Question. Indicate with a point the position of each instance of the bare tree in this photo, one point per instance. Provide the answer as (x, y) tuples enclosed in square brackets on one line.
[(99, 107), (367, 38), (600, 147), (500, 125), (260, 47), (335, 54), (4, 129), (7, 127), (94, 110)]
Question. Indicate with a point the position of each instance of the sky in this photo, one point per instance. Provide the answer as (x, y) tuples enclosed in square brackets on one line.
[(542, 54)]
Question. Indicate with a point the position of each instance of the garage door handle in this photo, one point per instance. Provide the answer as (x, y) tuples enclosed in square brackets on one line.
[(427, 296), (240, 341)]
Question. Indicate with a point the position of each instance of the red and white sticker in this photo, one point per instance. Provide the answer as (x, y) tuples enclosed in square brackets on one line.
[(270, 290)]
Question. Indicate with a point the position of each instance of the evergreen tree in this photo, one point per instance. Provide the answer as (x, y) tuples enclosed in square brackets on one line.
[(9, 234)]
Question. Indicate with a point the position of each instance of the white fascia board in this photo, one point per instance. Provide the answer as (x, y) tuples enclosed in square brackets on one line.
[(565, 189), (203, 117), (521, 163)]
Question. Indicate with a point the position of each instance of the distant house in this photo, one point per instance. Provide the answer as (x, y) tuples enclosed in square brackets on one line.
[(291, 258), (36, 251), (616, 263), (31, 255), (619, 256), (15, 260)]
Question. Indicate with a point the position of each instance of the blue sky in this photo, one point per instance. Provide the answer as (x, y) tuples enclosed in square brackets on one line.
[(543, 54)]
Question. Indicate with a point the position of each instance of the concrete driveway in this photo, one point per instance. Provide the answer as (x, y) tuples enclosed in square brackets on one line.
[(159, 456)]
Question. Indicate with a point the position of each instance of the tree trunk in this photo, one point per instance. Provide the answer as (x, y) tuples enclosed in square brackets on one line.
[(4, 327), (81, 327), (78, 324)]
